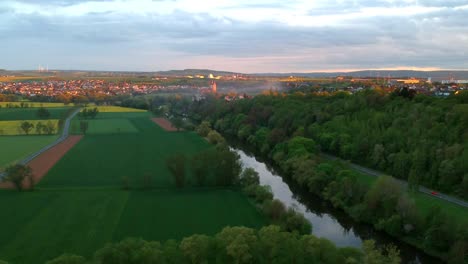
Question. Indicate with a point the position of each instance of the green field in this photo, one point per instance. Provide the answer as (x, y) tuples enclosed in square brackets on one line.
[(79, 205), (105, 126), (11, 128), (117, 109), (15, 148), (130, 154), (8, 114), (32, 104), (82, 221)]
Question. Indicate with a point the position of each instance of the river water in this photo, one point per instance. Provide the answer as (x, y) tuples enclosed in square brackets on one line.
[(326, 221)]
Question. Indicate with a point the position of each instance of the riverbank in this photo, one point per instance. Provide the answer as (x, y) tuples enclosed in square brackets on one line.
[(328, 222)]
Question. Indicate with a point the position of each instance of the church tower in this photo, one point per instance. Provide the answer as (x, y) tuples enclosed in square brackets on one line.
[(213, 86)]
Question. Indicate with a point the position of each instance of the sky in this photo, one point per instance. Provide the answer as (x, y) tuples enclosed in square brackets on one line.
[(234, 35)]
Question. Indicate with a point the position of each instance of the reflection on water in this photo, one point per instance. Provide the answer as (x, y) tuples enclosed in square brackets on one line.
[(324, 225), (326, 221)]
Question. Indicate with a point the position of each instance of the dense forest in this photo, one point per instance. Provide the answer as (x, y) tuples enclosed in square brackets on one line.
[(423, 140)]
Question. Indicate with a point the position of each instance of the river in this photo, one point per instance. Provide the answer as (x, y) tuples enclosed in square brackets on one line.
[(326, 221)]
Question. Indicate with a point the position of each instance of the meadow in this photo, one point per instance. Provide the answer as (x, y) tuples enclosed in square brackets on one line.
[(16, 148), (9, 114), (80, 205), (12, 128), (32, 104), (131, 155), (116, 109)]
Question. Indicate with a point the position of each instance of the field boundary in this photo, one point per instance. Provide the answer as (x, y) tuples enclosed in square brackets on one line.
[(65, 133), (164, 124)]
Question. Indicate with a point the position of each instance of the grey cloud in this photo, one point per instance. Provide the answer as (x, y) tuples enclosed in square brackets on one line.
[(433, 39)]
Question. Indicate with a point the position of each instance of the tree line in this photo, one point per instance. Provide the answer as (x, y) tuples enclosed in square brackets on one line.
[(235, 245)]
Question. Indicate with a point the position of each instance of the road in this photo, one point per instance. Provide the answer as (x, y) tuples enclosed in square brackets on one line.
[(65, 132), (422, 189)]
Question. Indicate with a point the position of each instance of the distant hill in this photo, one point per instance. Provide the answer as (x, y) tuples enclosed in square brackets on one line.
[(193, 72), (435, 75)]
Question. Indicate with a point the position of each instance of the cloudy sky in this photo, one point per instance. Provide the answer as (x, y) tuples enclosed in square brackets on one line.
[(236, 35)]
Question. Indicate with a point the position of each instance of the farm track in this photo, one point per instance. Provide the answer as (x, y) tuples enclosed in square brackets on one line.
[(164, 124), (421, 189), (63, 137)]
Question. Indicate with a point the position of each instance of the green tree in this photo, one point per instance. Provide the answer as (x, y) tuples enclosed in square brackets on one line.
[(372, 255), (215, 138), (249, 176), (84, 127), (177, 122), (93, 112), (68, 259), (49, 128), (176, 165), (26, 127), (200, 167), (204, 128), (17, 174), (197, 248), (227, 167), (39, 128), (131, 251), (239, 243), (43, 113)]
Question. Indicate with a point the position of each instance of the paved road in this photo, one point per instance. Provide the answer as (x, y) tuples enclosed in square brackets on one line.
[(422, 189), (65, 132)]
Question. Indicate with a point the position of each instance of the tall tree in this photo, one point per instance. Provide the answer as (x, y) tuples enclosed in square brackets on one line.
[(17, 174), (26, 127), (176, 165), (84, 127), (43, 113)]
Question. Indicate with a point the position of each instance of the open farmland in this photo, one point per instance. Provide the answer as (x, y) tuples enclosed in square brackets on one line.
[(104, 159), (79, 205), (31, 104), (105, 126), (11, 128), (118, 109), (8, 114), (15, 148)]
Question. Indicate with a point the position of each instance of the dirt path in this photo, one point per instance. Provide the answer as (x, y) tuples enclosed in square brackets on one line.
[(164, 123), (45, 161)]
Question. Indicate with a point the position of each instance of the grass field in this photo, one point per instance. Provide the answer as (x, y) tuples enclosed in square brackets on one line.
[(33, 104), (117, 109), (11, 128), (79, 205), (130, 154), (105, 126), (15, 148), (9, 114)]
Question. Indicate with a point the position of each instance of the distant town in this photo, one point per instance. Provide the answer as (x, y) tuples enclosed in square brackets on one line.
[(70, 88)]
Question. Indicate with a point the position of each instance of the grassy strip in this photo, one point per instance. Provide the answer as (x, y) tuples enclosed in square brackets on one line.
[(9, 114), (16, 148), (32, 104), (12, 128)]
